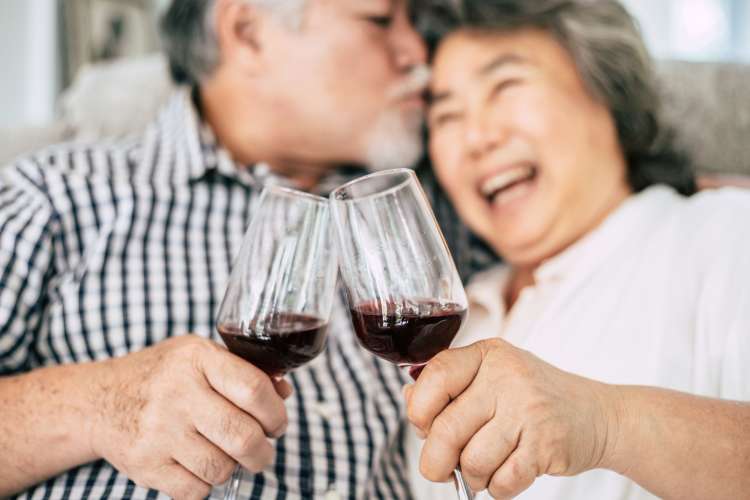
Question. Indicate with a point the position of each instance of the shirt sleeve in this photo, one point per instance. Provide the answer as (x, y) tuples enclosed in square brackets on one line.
[(735, 307), (26, 250), (735, 372), (724, 306)]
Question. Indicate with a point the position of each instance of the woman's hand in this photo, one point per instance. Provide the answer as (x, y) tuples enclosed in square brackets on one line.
[(507, 417)]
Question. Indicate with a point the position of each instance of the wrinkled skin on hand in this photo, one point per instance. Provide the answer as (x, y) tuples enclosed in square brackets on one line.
[(179, 415), (506, 417)]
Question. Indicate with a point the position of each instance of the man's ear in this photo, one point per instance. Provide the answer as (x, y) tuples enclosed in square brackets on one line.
[(237, 29)]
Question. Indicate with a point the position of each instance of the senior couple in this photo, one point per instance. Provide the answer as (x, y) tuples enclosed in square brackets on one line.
[(607, 357)]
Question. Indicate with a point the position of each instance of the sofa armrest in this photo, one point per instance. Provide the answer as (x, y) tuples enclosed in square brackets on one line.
[(15, 142), (716, 181)]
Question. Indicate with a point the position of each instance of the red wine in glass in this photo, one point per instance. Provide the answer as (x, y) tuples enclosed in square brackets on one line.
[(407, 334), (406, 298), (288, 342)]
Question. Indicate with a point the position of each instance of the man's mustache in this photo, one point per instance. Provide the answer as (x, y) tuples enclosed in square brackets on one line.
[(415, 83)]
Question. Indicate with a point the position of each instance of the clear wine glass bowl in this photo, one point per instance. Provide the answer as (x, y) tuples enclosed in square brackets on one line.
[(406, 299), (278, 300), (405, 296)]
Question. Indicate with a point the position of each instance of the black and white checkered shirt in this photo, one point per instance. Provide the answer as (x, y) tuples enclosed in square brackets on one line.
[(106, 249)]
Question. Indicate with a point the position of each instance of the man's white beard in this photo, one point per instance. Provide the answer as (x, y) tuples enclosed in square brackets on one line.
[(396, 141)]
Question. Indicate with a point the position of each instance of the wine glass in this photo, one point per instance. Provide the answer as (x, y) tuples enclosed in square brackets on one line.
[(278, 300), (405, 296)]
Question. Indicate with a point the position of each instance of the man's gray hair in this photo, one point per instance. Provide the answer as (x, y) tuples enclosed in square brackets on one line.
[(606, 44), (189, 35)]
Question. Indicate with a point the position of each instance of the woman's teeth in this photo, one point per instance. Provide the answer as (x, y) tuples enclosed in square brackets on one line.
[(506, 180)]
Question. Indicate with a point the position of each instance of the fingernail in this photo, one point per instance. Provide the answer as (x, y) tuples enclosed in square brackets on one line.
[(289, 392), (280, 432), (283, 387)]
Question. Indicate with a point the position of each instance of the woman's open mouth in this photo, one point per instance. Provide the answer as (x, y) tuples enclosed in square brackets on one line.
[(508, 184)]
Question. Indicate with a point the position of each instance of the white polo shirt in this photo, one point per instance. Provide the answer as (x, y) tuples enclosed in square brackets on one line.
[(658, 295)]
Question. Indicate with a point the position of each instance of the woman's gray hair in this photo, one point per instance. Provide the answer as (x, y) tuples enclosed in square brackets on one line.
[(189, 36), (606, 44)]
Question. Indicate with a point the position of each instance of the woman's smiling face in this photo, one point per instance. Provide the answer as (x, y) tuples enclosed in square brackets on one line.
[(529, 157)]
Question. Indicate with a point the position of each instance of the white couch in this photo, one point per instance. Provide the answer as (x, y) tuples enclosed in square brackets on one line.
[(110, 99)]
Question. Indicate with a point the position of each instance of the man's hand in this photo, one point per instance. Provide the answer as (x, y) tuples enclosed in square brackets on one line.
[(177, 416), (506, 417)]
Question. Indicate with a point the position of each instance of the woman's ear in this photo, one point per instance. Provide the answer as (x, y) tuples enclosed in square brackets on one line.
[(237, 28)]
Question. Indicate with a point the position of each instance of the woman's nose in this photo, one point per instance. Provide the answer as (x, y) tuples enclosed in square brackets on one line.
[(481, 135)]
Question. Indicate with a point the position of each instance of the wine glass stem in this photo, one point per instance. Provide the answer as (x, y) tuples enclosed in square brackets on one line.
[(234, 484), (462, 488)]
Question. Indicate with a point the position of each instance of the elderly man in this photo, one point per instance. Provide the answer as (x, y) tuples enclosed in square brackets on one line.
[(114, 257)]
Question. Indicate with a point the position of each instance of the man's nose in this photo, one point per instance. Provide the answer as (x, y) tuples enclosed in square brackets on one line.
[(410, 48)]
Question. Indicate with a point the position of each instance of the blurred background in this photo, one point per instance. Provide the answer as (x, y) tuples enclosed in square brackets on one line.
[(69, 66), (43, 43)]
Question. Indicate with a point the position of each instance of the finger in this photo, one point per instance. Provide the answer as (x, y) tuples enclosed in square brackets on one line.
[(406, 392), (445, 377), (248, 388), (283, 388), (177, 482), (485, 453), (235, 432), (451, 431), (516, 474), (205, 460)]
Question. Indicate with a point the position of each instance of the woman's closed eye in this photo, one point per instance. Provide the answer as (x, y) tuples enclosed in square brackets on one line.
[(444, 118), (500, 87)]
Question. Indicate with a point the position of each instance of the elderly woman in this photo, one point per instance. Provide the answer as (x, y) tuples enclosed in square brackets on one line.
[(613, 346)]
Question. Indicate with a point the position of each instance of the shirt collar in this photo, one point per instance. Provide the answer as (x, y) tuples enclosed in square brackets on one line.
[(487, 287), (627, 223)]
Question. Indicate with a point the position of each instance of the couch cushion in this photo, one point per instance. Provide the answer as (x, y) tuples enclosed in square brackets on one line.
[(709, 105)]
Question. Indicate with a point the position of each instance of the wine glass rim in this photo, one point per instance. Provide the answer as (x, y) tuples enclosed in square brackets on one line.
[(409, 172), (295, 193)]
